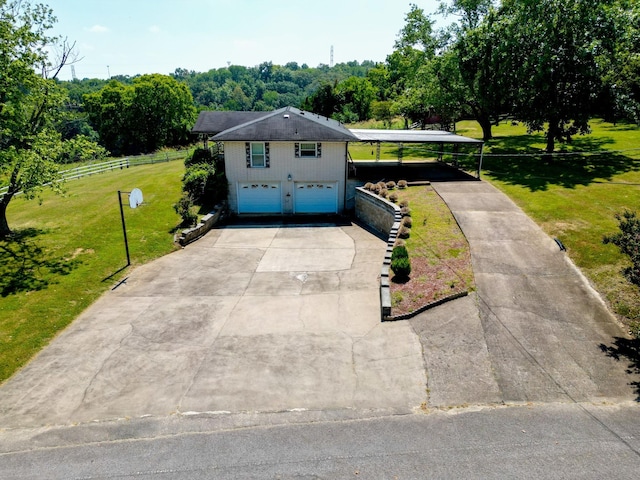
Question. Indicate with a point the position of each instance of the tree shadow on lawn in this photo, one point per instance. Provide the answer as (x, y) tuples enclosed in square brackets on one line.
[(26, 266), (629, 350), (528, 167)]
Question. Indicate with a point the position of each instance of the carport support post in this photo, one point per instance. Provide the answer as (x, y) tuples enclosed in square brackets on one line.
[(480, 160), (124, 228)]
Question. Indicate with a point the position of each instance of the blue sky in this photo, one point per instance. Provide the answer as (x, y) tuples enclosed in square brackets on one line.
[(127, 37)]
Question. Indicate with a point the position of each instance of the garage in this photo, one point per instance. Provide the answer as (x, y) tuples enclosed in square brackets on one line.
[(259, 197), (316, 197)]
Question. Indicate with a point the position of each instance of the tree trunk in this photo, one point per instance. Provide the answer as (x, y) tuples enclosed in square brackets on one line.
[(551, 139), (4, 225), (485, 124)]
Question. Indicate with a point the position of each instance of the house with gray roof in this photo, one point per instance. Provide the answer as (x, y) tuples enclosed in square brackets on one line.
[(287, 161)]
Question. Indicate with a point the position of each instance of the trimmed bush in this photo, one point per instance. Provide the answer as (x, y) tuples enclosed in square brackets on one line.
[(399, 243), (393, 196), (404, 232), (391, 185), (384, 193), (407, 222), (402, 184), (399, 251), (401, 266), (405, 212), (404, 202), (368, 186)]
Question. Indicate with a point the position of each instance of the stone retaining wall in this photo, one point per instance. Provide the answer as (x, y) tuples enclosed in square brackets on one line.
[(206, 223), (384, 217)]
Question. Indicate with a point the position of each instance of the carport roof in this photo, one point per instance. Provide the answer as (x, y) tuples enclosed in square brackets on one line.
[(411, 136)]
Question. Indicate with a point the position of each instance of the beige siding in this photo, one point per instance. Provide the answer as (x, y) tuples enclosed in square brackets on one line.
[(330, 167)]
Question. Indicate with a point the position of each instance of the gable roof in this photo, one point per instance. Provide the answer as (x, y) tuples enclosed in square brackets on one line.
[(287, 124), (215, 122)]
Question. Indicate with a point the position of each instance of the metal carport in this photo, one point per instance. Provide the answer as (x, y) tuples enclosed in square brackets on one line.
[(437, 137)]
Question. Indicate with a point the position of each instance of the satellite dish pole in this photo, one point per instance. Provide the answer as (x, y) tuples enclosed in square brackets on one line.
[(135, 199)]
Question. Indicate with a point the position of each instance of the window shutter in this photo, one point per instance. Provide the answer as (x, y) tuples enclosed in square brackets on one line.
[(297, 149), (319, 150), (267, 162), (247, 148)]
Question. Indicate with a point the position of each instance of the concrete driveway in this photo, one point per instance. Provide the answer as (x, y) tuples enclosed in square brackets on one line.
[(277, 318), (269, 318), (535, 331)]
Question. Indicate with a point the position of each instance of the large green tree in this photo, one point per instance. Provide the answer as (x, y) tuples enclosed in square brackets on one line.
[(623, 77), (355, 95), (416, 46), (479, 54), (153, 112), (31, 101), (162, 112), (555, 52)]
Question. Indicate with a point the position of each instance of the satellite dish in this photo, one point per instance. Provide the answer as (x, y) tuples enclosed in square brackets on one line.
[(135, 198)]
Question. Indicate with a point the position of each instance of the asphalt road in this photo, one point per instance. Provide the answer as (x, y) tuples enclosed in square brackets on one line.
[(543, 441)]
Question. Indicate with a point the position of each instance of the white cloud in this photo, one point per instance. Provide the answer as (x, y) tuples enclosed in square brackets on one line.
[(154, 29), (97, 29)]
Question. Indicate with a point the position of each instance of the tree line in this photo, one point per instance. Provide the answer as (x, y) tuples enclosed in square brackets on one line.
[(552, 64)]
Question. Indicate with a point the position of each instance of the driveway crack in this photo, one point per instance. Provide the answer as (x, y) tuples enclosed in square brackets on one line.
[(102, 364)]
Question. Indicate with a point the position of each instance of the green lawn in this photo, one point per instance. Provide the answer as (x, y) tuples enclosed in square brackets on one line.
[(574, 198), (70, 249)]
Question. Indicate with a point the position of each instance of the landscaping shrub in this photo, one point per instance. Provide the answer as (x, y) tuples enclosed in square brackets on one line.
[(391, 185), (399, 251), (401, 266), (384, 193), (400, 243), (628, 242), (184, 208), (199, 155), (201, 181), (368, 186), (393, 196), (402, 184), (404, 202), (405, 212), (375, 188), (407, 222), (382, 185), (404, 232)]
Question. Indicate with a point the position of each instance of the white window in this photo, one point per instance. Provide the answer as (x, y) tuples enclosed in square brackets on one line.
[(258, 155), (308, 150)]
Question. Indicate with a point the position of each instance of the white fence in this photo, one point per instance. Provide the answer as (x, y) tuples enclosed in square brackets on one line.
[(118, 164)]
